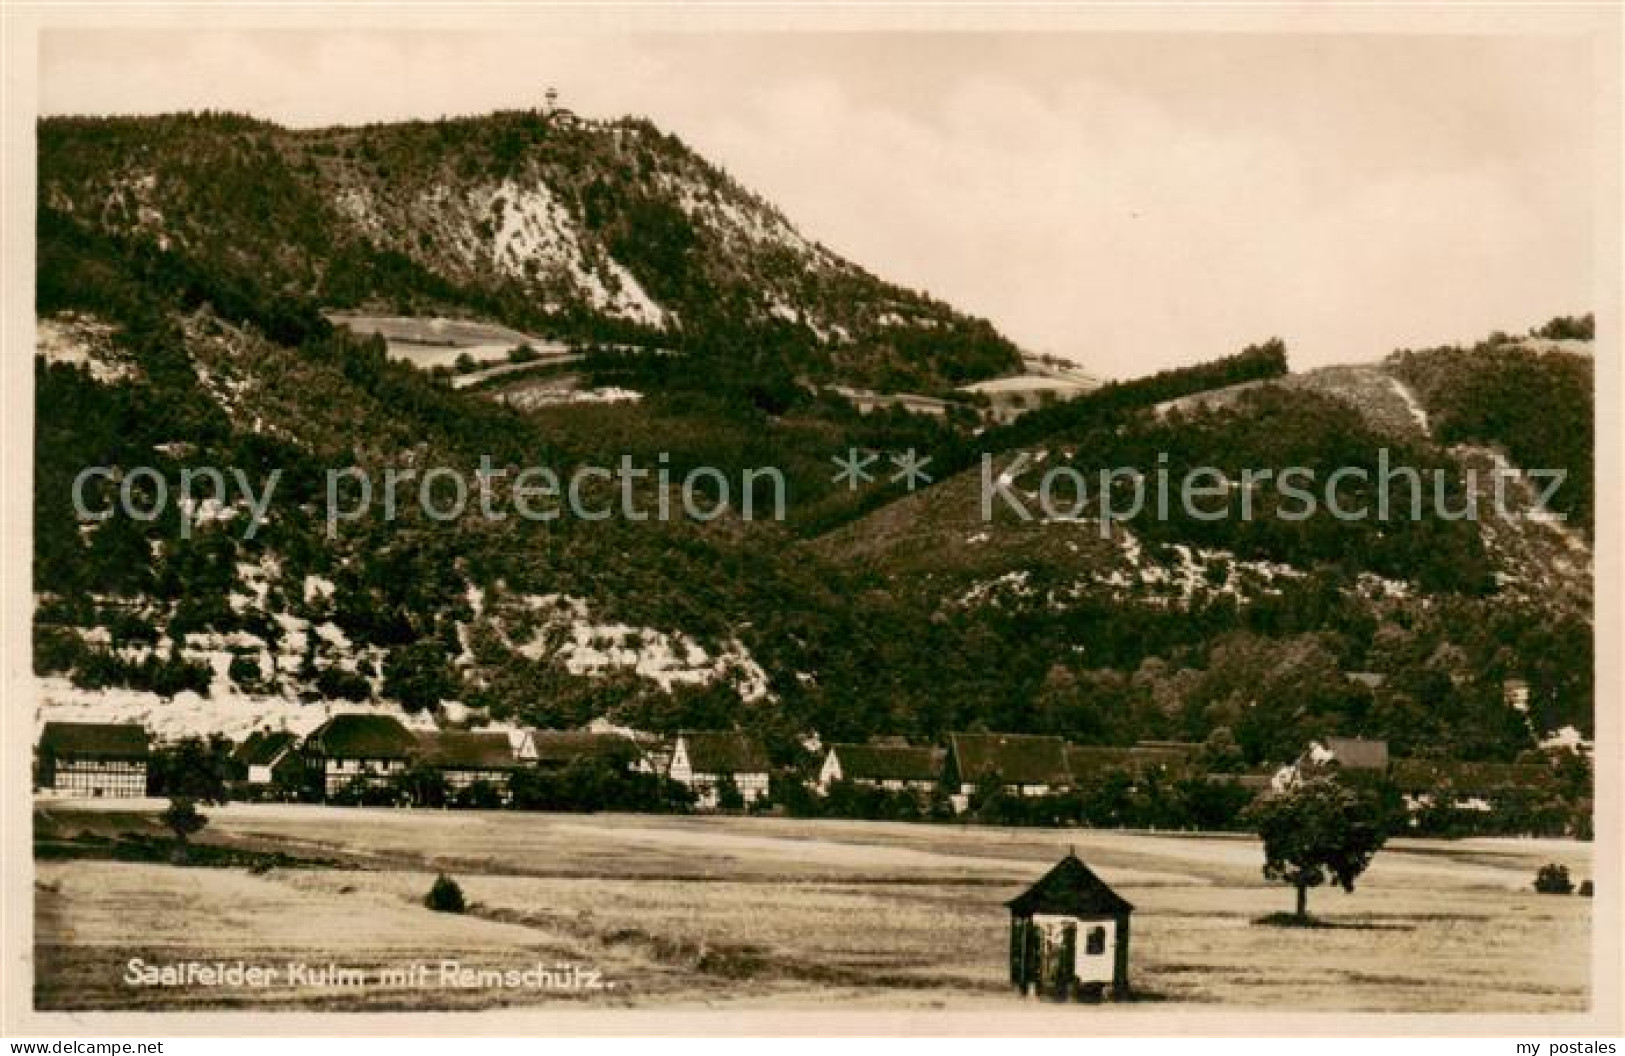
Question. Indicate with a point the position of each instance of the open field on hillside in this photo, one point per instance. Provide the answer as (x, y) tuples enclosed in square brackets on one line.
[(711, 911), (1385, 402), (418, 330), (427, 343)]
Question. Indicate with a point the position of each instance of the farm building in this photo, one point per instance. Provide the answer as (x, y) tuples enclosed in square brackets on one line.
[(1084, 761), (1251, 780), (654, 756), (102, 760), (1069, 935), (465, 758), (1024, 764), (1358, 753), (1353, 755), (1167, 753), (266, 755), (1465, 784), (895, 767), (704, 760), (373, 748), (554, 750), (1167, 758)]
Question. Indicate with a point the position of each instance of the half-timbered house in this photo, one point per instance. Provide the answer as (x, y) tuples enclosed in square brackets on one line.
[(93, 759), (372, 749), (705, 761)]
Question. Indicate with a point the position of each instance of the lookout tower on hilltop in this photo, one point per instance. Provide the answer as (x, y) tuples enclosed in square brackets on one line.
[(559, 116)]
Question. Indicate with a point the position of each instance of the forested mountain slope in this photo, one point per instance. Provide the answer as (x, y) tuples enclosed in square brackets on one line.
[(183, 266), (582, 230)]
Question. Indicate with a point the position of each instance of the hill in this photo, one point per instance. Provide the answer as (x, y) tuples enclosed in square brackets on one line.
[(1529, 396), (185, 265), (586, 231), (1111, 625)]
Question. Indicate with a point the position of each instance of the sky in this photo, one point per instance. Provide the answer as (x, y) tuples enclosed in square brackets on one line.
[(1130, 201)]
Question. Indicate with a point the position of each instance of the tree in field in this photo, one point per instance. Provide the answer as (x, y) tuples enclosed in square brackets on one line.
[(183, 819), (195, 770), (1314, 831)]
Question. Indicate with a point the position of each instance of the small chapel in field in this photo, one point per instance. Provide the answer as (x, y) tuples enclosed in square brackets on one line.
[(1069, 936)]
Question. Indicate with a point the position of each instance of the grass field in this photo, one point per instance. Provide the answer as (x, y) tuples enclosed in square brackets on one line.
[(713, 912)]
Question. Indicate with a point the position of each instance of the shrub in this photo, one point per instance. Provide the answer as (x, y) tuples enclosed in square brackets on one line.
[(480, 795), (56, 649), (419, 675), (245, 671), (1553, 879), (367, 790), (422, 785), (445, 896), (728, 795), (335, 683)]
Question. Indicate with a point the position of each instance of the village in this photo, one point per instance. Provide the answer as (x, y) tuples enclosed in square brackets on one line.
[(372, 759), (742, 888)]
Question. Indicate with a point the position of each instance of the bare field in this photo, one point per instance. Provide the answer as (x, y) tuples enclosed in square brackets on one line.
[(427, 343), (710, 911)]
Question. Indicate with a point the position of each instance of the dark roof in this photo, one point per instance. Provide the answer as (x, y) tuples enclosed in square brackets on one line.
[(1163, 753), (1018, 759), (1070, 888), (1429, 775), (721, 752), (362, 737), (101, 740), (1179, 749), (1083, 759), (563, 747), (1256, 780), (1357, 753), (263, 747), (463, 750), (887, 762)]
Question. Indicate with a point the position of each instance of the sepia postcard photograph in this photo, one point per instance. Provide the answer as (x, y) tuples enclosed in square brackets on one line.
[(794, 521)]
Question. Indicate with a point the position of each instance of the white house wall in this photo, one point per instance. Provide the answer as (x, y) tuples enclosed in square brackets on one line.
[(1089, 968)]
